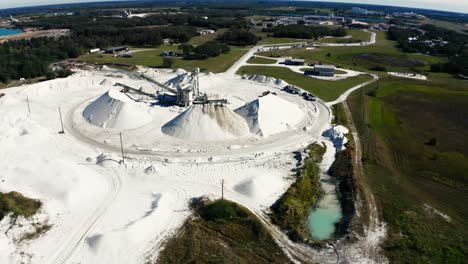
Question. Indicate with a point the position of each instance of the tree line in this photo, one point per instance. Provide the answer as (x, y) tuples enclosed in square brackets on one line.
[(304, 32)]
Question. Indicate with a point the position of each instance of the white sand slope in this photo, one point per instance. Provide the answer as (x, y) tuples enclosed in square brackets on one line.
[(261, 187), (206, 123), (115, 110), (270, 114)]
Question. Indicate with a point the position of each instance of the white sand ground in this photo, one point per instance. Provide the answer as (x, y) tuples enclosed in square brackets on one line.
[(102, 211)]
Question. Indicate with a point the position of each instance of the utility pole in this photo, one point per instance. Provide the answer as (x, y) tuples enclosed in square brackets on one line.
[(121, 148), (222, 189), (27, 101), (61, 121)]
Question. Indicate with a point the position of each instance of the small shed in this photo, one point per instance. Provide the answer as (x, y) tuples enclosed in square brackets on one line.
[(324, 70), (293, 61)]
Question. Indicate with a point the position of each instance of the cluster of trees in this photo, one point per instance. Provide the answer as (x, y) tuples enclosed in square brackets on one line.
[(455, 47), (208, 49), (305, 32), (30, 58), (239, 37)]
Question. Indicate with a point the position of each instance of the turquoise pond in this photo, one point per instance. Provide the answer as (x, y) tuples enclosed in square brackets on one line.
[(9, 31), (327, 212), (322, 222)]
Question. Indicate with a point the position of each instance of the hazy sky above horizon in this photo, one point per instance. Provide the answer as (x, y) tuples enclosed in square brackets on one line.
[(448, 5)]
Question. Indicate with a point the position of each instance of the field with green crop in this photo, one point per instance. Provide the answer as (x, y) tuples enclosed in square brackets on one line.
[(382, 53), (415, 156), (326, 90)]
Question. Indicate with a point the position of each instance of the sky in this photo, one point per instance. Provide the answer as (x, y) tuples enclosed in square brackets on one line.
[(448, 5)]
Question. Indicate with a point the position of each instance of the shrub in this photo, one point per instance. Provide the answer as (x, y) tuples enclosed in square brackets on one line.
[(221, 210), (168, 62)]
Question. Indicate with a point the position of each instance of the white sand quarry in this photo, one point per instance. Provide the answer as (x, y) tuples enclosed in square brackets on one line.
[(105, 211), (270, 114), (116, 110), (206, 123)]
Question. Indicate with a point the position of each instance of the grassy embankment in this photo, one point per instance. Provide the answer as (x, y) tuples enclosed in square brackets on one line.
[(290, 212), (382, 53), (260, 60), (151, 58), (222, 232), (16, 205), (415, 157), (326, 90)]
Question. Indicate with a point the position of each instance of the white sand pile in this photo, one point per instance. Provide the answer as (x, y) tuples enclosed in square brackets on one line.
[(116, 110), (261, 187), (207, 122), (180, 80), (337, 136), (270, 114), (264, 79)]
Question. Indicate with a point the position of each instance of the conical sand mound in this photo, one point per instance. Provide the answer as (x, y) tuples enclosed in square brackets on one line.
[(115, 110), (180, 80), (270, 114), (207, 122)]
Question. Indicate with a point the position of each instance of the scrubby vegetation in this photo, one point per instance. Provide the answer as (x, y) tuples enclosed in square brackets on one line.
[(16, 204), (420, 187), (342, 172), (290, 212), (222, 232)]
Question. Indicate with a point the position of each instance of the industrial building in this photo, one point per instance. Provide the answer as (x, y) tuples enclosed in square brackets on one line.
[(324, 70), (293, 61), (206, 31), (115, 50)]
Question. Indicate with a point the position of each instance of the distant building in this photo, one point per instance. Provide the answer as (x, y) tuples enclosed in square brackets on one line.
[(324, 70), (359, 11), (94, 50), (116, 49), (293, 61), (206, 31), (167, 41)]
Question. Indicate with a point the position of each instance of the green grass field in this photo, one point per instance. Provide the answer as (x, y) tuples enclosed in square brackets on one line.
[(357, 36), (260, 60), (152, 58), (415, 156), (383, 52), (326, 90)]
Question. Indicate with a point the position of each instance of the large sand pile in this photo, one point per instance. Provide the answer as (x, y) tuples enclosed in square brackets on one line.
[(264, 79), (181, 80), (116, 110), (207, 122), (270, 114)]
